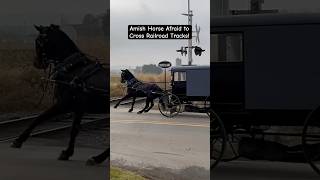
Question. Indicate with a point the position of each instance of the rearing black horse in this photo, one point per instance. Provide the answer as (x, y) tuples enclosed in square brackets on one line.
[(82, 85), (136, 88)]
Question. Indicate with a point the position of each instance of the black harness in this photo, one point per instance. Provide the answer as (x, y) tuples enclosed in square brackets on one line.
[(62, 71)]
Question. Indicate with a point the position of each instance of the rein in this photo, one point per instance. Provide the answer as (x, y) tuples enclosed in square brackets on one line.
[(44, 86)]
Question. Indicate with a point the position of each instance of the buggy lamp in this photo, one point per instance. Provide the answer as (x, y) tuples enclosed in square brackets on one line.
[(164, 64)]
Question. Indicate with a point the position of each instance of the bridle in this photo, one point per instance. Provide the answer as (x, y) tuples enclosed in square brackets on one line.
[(44, 61)]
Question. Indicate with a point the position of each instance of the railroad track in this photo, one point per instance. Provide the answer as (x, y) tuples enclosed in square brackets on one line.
[(9, 130)]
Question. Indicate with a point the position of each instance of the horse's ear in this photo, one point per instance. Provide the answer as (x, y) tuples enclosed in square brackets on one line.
[(38, 28)]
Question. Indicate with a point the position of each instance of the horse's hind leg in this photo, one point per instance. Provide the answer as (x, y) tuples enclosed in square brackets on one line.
[(146, 106), (65, 154), (53, 111), (99, 158), (151, 106)]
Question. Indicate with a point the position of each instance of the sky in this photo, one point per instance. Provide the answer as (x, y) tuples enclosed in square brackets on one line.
[(286, 5), (17, 12), (131, 53)]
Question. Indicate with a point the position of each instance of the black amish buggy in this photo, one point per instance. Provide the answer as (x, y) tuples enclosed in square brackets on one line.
[(265, 73), (190, 91)]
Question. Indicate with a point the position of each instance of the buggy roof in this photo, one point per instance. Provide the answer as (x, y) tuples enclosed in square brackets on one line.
[(265, 19), (186, 68)]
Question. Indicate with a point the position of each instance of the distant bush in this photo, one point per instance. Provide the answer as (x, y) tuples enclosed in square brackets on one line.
[(20, 82), (151, 69)]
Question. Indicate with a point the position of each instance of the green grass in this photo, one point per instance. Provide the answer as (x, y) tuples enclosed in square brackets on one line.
[(120, 174)]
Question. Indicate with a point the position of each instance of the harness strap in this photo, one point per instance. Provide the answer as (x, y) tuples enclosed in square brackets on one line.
[(89, 71), (71, 61), (79, 81)]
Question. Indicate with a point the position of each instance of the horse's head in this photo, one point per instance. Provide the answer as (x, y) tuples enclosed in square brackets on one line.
[(126, 75), (52, 44)]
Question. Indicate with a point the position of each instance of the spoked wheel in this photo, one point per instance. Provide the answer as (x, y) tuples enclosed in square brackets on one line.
[(311, 139), (217, 139), (231, 149), (169, 105)]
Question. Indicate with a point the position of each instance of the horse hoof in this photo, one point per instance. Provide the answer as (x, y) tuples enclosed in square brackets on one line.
[(130, 110), (140, 112), (64, 156), (115, 107), (91, 162), (16, 144)]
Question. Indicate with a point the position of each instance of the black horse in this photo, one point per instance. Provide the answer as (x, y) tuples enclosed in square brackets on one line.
[(136, 88), (81, 85)]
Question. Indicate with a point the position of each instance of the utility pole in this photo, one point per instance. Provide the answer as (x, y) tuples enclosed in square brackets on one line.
[(255, 8), (189, 15)]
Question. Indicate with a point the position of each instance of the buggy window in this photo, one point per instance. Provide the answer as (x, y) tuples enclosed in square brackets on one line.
[(226, 47), (180, 76)]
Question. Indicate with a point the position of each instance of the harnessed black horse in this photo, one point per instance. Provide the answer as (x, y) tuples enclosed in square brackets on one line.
[(81, 85), (136, 88)]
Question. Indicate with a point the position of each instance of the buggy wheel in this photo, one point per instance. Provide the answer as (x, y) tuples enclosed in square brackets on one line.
[(217, 139), (311, 139), (169, 105), (231, 148)]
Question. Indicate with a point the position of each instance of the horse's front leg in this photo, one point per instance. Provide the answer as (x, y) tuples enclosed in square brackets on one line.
[(99, 158), (50, 113), (122, 99), (132, 104), (65, 154)]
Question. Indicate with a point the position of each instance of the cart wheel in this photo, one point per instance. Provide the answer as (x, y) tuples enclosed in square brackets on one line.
[(217, 139), (231, 149), (311, 139), (169, 105)]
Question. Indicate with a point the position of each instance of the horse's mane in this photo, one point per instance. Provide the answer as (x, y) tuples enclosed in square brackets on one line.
[(67, 41), (132, 76)]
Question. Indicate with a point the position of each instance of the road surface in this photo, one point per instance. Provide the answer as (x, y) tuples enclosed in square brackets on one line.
[(150, 139), (262, 170), (38, 162)]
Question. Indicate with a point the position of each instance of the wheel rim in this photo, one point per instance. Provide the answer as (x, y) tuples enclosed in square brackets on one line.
[(311, 139), (217, 139), (169, 105)]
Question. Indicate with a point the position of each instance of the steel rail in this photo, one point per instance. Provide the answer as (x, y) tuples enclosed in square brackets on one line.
[(87, 120)]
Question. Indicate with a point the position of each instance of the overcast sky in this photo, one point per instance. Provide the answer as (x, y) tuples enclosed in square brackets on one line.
[(17, 12), (131, 53), (288, 5)]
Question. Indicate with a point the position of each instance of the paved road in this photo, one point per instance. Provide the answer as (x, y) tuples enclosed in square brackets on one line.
[(259, 170), (37, 162), (153, 140)]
